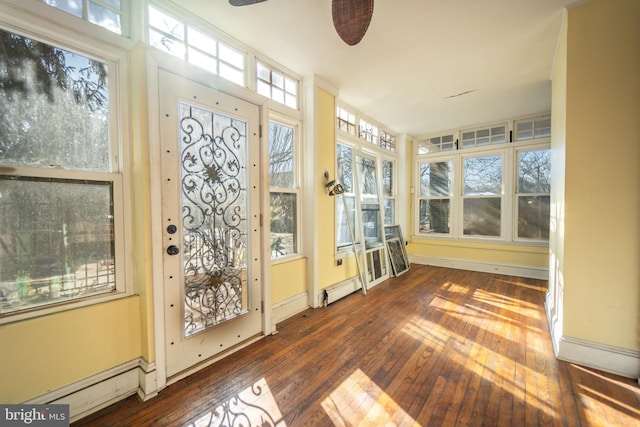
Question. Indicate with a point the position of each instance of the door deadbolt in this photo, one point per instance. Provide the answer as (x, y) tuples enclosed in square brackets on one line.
[(173, 250), (172, 229)]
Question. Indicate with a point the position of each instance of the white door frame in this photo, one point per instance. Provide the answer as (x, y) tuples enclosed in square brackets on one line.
[(155, 321)]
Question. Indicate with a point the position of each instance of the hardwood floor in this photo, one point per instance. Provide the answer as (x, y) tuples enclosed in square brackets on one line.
[(432, 347)]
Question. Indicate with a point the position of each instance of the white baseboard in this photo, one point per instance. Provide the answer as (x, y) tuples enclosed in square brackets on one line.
[(615, 360), (98, 391), (289, 307), (339, 290), (541, 273)]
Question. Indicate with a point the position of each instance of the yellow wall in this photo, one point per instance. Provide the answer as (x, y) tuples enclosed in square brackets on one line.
[(46, 353), (602, 183), (288, 279), (508, 254), (558, 171), (328, 273)]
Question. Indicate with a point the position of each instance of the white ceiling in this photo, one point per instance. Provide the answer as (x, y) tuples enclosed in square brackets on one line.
[(416, 58)]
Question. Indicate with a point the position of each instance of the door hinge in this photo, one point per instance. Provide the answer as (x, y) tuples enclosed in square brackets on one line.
[(260, 131), (260, 220), (262, 306)]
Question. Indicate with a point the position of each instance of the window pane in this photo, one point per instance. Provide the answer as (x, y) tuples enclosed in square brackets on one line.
[(368, 181), (283, 224), (231, 57), (435, 179), (534, 171), (533, 217), (232, 74), (291, 86), (483, 175), (387, 178), (105, 18), (481, 216), (166, 23), (371, 225), (343, 235), (73, 7), (389, 211), (263, 72), (281, 156), (345, 167), (49, 94), (277, 80), (116, 4), (202, 42), (57, 241), (434, 216), (169, 45)]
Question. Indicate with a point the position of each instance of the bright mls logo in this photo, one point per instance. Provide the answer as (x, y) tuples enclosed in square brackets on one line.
[(34, 415)]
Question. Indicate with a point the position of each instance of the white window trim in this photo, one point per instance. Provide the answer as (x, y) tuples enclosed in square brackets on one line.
[(453, 200), (116, 58), (509, 204), (530, 145), (297, 138)]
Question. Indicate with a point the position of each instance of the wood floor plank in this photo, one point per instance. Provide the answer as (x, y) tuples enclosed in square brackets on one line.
[(435, 346)]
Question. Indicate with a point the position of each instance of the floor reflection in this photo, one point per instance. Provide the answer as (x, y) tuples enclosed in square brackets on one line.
[(358, 401), (253, 406)]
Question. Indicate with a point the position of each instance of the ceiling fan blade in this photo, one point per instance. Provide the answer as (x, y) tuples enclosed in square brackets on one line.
[(351, 19), (244, 2)]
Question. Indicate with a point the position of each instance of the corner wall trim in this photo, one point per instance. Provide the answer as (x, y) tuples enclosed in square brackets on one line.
[(541, 273)]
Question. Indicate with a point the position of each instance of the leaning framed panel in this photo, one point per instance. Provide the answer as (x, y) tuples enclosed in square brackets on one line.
[(395, 248)]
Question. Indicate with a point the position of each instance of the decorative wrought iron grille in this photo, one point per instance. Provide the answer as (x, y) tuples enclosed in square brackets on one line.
[(214, 205)]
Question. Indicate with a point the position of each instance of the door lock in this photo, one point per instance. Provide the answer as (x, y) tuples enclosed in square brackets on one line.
[(173, 250)]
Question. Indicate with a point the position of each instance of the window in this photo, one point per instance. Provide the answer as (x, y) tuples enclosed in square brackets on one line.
[(108, 14), (485, 136), (388, 191), (478, 184), (345, 175), (482, 195), (368, 132), (276, 85), (533, 201), (346, 121), (436, 144), (538, 127), (61, 190), (387, 141), (284, 190), (174, 36), (435, 191)]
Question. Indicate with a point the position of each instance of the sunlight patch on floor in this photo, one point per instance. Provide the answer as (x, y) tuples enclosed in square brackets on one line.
[(253, 406), (358, 401)]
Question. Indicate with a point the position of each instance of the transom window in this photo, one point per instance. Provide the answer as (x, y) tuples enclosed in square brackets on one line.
[(368, 132), (107, 14), (194, 46), (61, 195), (538, 127), (345, 120), (276, 85), (437, 144), (387, 141)]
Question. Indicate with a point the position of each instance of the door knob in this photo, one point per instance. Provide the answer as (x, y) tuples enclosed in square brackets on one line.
[(173, 250)]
